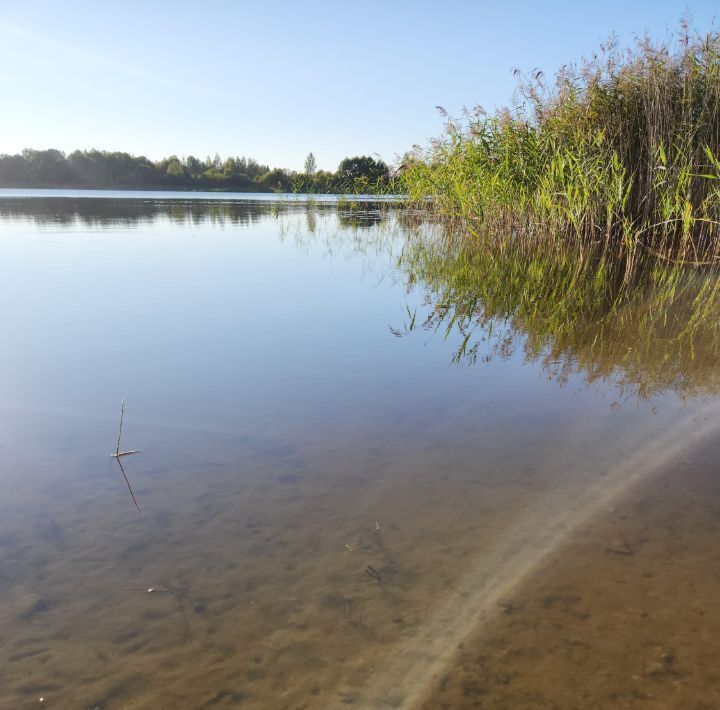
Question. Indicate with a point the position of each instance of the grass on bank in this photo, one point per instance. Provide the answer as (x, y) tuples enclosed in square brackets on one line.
[(620, 157)]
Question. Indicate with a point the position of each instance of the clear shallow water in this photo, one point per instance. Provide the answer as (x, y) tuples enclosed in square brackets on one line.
[(296, 428)]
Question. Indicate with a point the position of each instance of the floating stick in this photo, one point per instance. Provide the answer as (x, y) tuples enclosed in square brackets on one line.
[(122, 414), (119, 453)]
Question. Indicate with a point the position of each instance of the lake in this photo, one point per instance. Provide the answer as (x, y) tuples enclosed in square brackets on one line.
[(374, 470)]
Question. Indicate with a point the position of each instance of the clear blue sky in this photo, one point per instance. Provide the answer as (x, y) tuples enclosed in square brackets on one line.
[(275, 80)]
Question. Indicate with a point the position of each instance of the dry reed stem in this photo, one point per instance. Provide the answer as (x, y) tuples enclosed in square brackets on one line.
[(119, 453)]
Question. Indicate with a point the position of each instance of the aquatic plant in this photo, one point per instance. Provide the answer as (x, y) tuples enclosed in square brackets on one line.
[(622, 153)]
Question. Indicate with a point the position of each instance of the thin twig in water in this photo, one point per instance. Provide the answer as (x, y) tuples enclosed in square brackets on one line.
[(122, 413), (132, 495), (119, 453)]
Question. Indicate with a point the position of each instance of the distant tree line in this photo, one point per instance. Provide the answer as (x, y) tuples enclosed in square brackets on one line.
[(104, 169)]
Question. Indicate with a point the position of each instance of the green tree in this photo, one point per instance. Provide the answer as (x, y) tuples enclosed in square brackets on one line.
[(277, 180), (194, 166), (310, 165), (175, 168), (363, 167)]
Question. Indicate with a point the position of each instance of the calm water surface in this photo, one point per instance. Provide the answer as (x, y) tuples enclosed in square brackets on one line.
[(354, 489)]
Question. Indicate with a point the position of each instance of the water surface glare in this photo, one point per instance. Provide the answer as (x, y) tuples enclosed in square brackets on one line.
[(355, 488)]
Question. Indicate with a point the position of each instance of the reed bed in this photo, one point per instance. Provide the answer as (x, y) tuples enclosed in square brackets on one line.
[(618, 158)]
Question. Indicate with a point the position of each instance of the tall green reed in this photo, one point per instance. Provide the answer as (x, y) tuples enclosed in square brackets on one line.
[(621, 153)]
